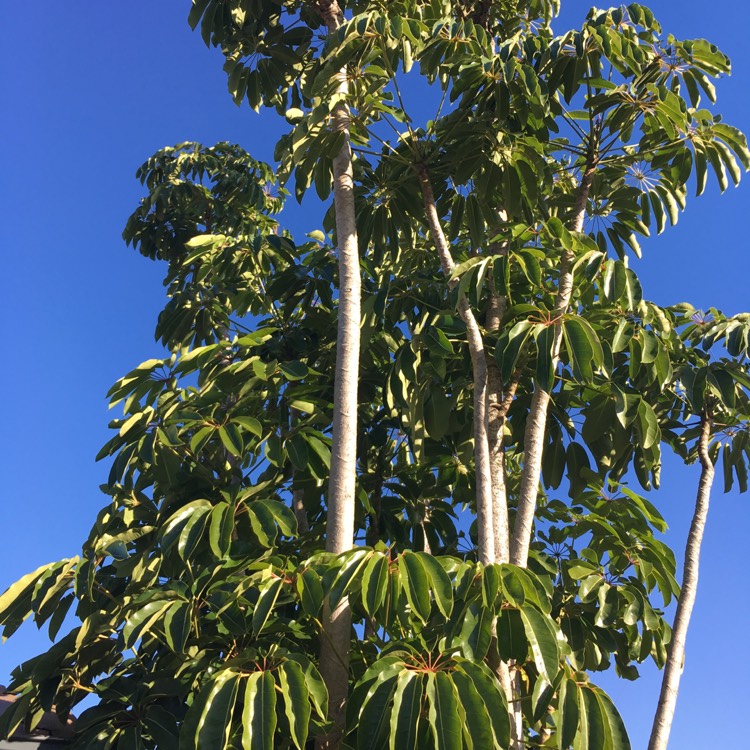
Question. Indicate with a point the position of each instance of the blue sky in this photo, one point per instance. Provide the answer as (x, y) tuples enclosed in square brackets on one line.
[(89, 91)]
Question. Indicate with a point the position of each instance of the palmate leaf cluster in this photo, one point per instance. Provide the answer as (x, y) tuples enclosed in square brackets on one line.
[(201, 588)]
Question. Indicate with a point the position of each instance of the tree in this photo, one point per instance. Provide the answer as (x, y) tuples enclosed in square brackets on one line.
[(228, 547)]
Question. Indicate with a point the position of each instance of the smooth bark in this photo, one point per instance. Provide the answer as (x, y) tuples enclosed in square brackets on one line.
[(483, 482), (334, 655), (499, 399), (675, 660), (495, 427), (536, 422)]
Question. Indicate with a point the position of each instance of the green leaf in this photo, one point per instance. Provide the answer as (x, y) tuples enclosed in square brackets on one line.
[(416, 584), (143, 619), (617, 734), (511, 636), (494, 700), (592, 718), (310, 590), (250, 424), (545, 372), (405, 715), (353, 563), (583, 347), (443, 713), (192, 532), (521, 586), (281, 514), (437, 412), (201, 437), (220, 529), (475, 633), (440, 583), (375, 716), (208, 721), (375, 583), (266, 602), (259, 712), (626, 406), (177, 626), (566, 717), (508, 356), (477, 727), (232, 439), (296, 448), (161, 727), (296, 701), (541, 634), (19, 592), (294, 370), (648, 425)]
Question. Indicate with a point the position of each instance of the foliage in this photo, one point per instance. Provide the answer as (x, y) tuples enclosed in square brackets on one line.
[(201, 588)]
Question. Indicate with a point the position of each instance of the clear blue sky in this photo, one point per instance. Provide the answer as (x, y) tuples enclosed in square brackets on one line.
[(89, 91)]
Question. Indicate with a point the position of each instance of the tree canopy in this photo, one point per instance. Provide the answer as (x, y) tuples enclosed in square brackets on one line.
[(513, 385)]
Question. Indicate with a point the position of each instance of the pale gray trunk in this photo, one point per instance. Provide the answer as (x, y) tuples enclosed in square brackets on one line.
[(675, 660), (496, 424), (335, 639), (483, 481), (499, 399), (533, 445)]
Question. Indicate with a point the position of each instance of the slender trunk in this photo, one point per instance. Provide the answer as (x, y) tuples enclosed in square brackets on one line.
[(673, 670), (499, 399), (483, 482), (533, 445), (496, 424), (334, 655)]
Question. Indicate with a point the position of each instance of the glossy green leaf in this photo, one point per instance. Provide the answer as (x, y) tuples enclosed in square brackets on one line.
[(478, 731), (259, 712), (221, 525), (566, 716), (406, 712), (493, 698), (375, 583), (443, 712), (416, 584), (375, 716), (511, 636), (545, 372), (296, 702), (542, 637), (439, 583), (296, 448), (269, 594), (208, 721), (177, 625), (583, 347)]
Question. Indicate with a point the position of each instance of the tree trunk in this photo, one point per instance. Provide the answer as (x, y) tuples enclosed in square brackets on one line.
[(499, 399), (673, 670), (334, 655), (496, 424), (486, 542), (533, 445)]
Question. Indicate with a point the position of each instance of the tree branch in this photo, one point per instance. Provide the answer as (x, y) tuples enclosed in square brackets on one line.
[(479, 366), (673, 669), (537, 419)]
